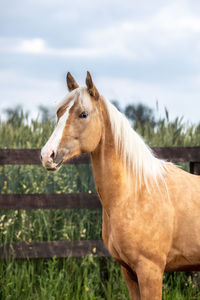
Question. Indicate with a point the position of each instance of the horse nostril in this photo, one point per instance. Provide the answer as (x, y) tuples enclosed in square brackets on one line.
[(52, 155), (41, 157)]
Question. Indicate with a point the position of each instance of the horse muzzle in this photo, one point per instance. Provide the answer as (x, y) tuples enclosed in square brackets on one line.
[(53, 162)]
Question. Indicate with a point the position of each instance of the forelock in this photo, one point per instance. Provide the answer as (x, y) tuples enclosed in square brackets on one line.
[(85, 98), (81, 94), (70, 96)]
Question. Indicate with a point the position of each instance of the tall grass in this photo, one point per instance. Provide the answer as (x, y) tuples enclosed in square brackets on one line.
[(70, 278)]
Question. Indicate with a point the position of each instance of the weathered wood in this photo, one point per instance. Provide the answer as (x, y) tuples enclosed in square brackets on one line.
[(195, 168), (32, 156), (178, 154), (49, 201), (62, 249), (69, 201), (55, 248)]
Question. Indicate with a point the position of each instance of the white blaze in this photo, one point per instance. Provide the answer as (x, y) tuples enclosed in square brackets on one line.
[(54, 140)]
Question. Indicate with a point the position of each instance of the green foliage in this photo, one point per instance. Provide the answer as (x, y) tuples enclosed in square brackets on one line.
[(84, 278), (140, 114)]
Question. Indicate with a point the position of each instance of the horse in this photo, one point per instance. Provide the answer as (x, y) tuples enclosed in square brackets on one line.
[(151, 208)]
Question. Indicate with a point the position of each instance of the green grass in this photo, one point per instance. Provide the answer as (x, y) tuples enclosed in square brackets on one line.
[(80, 278), (71, 278), (62, 279)]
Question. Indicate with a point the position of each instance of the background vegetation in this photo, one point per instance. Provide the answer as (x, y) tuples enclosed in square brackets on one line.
[(70, 278)]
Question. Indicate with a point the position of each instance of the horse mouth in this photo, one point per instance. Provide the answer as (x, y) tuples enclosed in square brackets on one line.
[(55, 167)]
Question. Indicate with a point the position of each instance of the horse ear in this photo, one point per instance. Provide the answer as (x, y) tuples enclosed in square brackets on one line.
[(71, 82), (92, 90)]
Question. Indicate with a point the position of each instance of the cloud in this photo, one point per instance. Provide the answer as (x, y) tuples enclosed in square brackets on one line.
[(32, 46), (169, 28), (178, 19), (38, 46), (30, 92), (178, 102), (143, 50)]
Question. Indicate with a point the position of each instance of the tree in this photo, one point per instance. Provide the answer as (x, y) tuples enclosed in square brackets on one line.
[(140, 113), (116, 104), (46, 113), (16, 116)]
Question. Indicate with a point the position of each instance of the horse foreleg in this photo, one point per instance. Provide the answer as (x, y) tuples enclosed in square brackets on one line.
[(150, 277), (132, 283)]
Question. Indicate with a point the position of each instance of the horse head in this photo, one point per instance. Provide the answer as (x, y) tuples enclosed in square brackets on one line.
[(78, 128)]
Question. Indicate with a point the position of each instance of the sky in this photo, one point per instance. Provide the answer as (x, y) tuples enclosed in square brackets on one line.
[(137, 51)]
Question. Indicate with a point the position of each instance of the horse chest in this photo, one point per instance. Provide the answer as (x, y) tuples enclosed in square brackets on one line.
[(108, 238), (113, 239)]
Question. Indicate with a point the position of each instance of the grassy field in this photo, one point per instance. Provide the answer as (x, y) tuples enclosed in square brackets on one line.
[(70, 278)]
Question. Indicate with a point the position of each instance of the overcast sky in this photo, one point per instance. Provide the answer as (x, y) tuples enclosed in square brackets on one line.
[(137, 51)]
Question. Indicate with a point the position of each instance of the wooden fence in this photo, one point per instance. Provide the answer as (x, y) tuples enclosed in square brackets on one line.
[(69, 201)]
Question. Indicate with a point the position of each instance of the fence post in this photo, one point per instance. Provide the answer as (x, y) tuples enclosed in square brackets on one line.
[(195, 168)]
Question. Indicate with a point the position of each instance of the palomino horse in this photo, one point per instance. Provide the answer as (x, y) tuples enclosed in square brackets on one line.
[(151, 208)]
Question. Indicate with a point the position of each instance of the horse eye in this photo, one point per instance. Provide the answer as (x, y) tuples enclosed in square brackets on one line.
[(84, 114)]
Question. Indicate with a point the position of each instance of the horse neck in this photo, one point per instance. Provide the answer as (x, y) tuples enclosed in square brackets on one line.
[(110, 174)]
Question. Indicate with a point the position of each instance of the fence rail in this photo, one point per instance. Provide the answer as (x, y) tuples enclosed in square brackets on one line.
[(32, 156), (69, 201), (49, 201), (54, 248)]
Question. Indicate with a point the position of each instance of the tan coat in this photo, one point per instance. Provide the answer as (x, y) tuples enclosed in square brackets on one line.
[(147, 230)]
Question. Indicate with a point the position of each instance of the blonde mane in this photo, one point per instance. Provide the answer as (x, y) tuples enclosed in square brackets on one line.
[(137, 156)]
